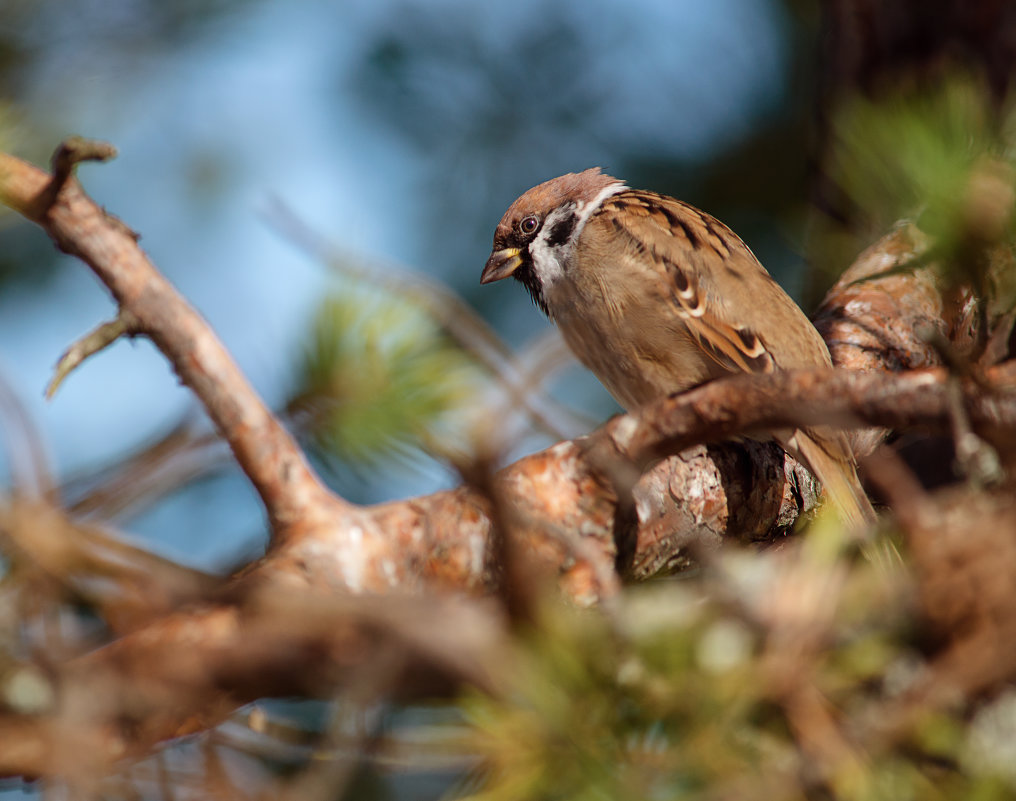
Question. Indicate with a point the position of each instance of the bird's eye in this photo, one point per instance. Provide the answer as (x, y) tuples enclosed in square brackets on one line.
[(529, 224)]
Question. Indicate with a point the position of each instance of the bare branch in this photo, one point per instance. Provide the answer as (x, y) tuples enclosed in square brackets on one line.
[(96, 340), (75, 149), (792, 399), (265, 451)]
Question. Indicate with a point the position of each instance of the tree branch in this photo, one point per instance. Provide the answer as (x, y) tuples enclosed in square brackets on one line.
[(266, 452)]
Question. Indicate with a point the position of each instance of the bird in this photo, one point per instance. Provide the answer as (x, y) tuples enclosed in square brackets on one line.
[(656, 297)]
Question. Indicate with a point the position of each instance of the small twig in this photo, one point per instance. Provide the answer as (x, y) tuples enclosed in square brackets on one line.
[(958, 365), (125, 324), (132, 482), (164, 777), (975, 458), (75, 149)]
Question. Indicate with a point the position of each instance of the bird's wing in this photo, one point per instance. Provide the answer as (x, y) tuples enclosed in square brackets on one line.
[(688, 246)]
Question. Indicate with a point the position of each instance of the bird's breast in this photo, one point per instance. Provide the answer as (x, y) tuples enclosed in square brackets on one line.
[(629, 338)]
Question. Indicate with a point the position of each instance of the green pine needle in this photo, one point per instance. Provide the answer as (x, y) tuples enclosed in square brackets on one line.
[(937, 155), (379, 379)]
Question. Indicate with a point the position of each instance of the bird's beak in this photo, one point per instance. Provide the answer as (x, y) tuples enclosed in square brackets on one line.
[(501, 264)]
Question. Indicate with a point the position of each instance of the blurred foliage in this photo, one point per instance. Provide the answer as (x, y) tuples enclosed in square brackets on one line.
[(937, 155), (379, 380), (594, 714), (703, 689), (912, 152)]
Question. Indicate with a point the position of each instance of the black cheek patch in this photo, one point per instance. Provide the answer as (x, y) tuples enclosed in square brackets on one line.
[(562, 231), (527, 277)]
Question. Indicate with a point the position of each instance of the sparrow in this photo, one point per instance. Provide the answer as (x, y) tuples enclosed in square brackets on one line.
[(656, 297)]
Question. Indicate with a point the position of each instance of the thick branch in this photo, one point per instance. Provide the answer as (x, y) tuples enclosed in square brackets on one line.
[(795, 399), (685, 503)]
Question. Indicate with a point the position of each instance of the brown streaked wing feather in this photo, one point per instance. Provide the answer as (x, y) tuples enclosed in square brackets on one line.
[(689, 245), (733, 348)]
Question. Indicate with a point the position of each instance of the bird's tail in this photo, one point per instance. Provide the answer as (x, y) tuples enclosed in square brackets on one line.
[(828, 456)]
